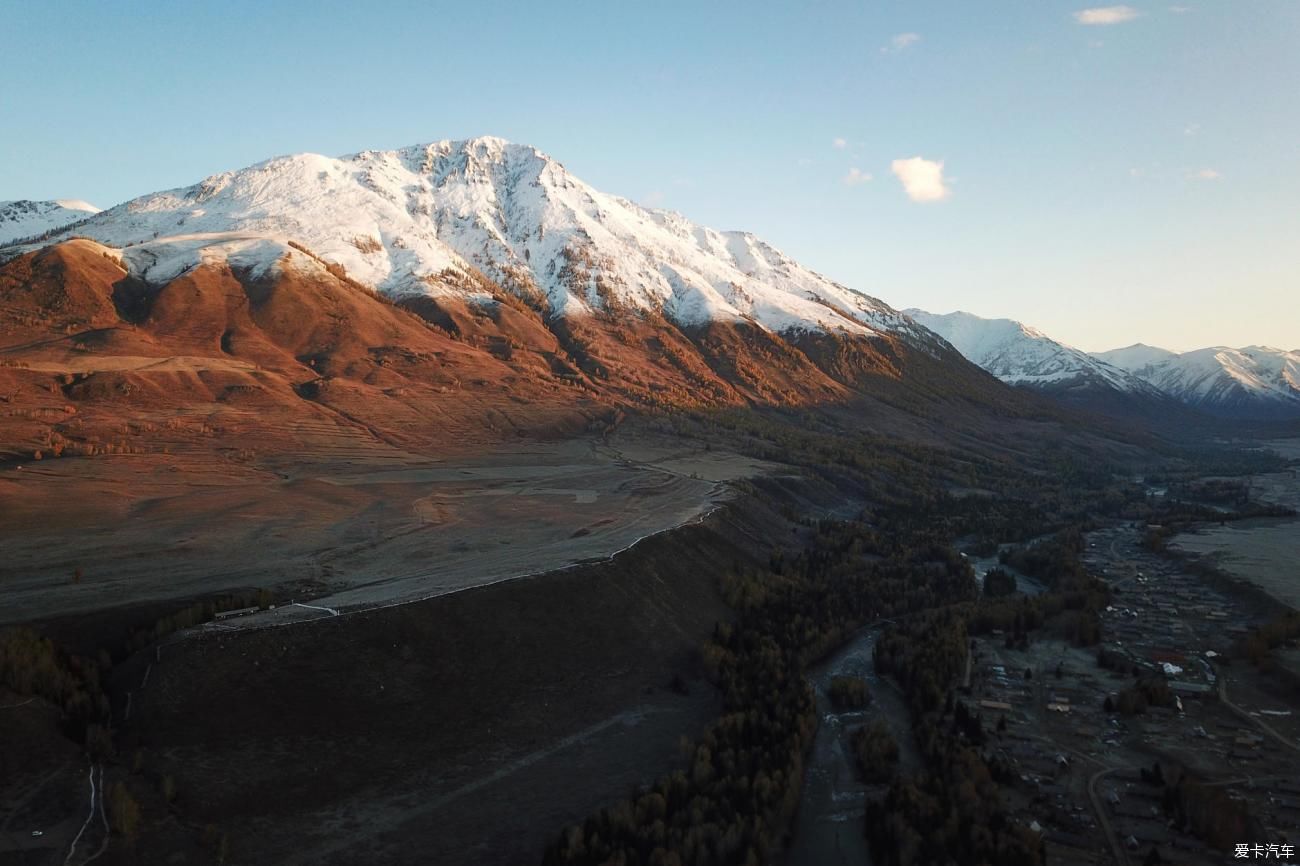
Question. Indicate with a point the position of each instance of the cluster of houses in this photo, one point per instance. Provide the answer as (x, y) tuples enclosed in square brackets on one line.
[(1055, 728)]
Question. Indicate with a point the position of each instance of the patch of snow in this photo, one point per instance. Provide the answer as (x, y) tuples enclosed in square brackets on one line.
[(165, 259)]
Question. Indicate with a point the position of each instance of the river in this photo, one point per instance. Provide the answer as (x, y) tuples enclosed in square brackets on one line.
[(829, 828)]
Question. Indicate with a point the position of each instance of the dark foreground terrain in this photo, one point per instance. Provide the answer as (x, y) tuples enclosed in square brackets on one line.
[(464, 729)]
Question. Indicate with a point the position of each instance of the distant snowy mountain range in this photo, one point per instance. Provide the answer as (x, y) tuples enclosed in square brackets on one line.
[(1021, 355), (431, 221), (1255, 381), (26, 219)]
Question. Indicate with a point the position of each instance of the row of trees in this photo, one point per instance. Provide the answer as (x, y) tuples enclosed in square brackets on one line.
[(953, 811)]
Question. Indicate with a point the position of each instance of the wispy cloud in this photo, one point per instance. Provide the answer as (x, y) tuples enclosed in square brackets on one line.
[(901, 42), (1191, 129), (1207, 174), (654, 198), (1101, 15), (855, 177), (839, 143), (804, 160), (1179, 10), (922, 179)]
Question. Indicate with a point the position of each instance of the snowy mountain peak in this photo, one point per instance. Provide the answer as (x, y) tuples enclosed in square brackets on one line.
[(427, 219), (1136, 357), (1021, 355), (27, 219), (1254, 379)]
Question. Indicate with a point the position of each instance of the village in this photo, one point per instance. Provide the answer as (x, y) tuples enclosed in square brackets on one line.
[(1094, 764)]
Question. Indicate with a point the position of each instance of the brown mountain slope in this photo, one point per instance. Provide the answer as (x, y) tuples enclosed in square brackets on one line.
[(90, 351), (81, 338)]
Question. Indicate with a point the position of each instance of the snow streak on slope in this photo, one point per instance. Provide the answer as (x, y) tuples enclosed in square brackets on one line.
[(1020, 355), (1220, 377), (26, 219), (422, 219)]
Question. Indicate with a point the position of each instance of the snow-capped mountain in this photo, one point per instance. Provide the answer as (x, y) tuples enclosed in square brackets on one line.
[(1021, 355), (1256, 380), (27, 219), (426, 220), (1252, 382), (1136, 358)]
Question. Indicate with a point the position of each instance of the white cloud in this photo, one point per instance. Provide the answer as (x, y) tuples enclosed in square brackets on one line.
[(1135, 172), (1106, 15), (803, 160), (839, 143), (1191, 129), (922, 179), (655, 198), (855, 177), (1207, 174), (901, 42), (1179, 10)]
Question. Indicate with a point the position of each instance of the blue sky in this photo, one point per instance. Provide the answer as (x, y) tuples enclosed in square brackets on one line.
[(1134, 178)]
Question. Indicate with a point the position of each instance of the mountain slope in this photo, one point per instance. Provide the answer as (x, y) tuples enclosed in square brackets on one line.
[(28, 219), (426, 220), (1256, 381), (236, 357)]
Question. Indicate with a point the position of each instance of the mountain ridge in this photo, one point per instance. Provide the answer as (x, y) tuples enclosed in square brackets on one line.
[(1254, 382), (424, 220), (455, 228), (25, 218)]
